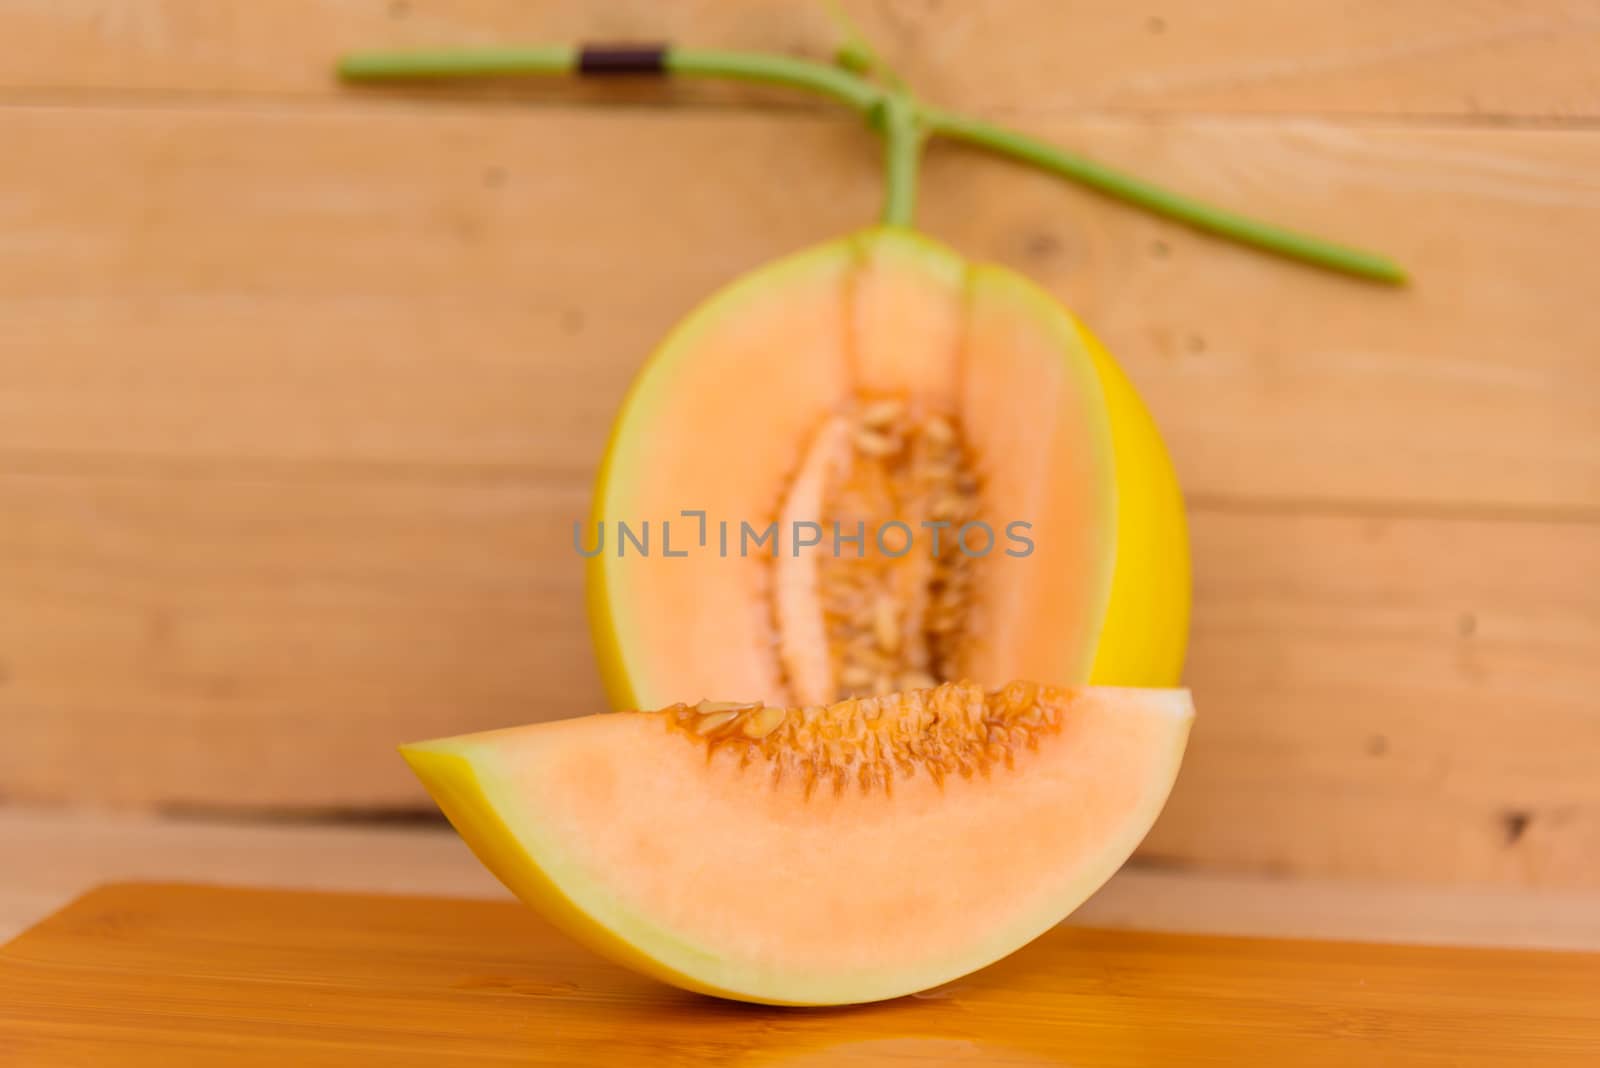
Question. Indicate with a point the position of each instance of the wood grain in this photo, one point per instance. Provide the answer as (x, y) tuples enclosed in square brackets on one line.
[(156, 975), (300, 387), (1392, 697), (1486, 60), (266, 643), (424, 287), (270, 643)]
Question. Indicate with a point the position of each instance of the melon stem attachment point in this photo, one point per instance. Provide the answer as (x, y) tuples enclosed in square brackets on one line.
[(902, 142), (903, 123)]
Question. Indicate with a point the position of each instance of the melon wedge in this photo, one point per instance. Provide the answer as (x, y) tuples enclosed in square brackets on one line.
[(817, 856), (876, 378)]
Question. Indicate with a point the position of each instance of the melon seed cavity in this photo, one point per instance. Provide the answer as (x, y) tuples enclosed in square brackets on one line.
[(891, 620), (957, 728)]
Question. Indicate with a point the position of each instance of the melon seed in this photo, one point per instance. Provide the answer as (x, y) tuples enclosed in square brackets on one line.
[(764, 722), (707, 707), (881, 413), (872, 443), (714, 721), (943, 730)]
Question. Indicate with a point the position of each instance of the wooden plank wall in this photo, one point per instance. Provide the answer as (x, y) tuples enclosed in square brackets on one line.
[(302, 387)]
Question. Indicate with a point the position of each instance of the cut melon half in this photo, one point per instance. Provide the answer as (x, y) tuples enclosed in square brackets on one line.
[(827, 855), (875, 380)]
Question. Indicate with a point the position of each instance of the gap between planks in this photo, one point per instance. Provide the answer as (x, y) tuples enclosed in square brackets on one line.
[(540, 478), (53, 855), (551, 95)]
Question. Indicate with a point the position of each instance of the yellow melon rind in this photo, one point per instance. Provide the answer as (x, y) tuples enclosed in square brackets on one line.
[(1146, 628)]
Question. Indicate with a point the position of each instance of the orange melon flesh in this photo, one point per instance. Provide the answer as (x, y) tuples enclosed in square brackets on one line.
[(732, 869), (727, 418), (1038, 424), (707, 432)]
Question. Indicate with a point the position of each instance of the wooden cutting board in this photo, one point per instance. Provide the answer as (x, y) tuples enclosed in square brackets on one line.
[(167, 975)]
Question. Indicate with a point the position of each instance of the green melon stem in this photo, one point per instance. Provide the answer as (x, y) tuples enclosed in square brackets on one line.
[(843, 86), (904, 125), (902, 156), (1153, 198)]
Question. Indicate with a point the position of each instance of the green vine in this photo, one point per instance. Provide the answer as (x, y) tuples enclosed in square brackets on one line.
[(904, 123)]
